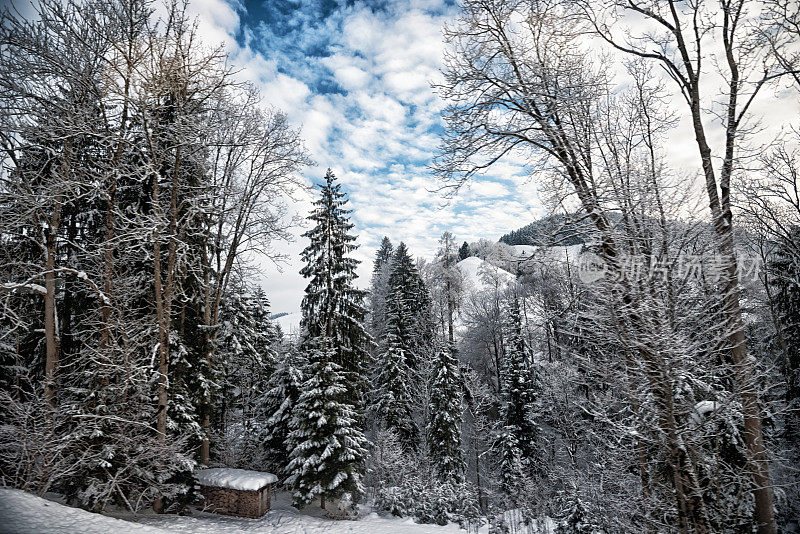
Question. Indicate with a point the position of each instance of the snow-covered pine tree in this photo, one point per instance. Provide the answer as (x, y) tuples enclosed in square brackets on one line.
[(578, 519), (379, 288), (785, 267), (444, 424), (464, 252), (394, 404), (281, 394), (245, 359), (332, 306), (408, 333), (327, 448), (408, 308), (512, 465), (518, 388)]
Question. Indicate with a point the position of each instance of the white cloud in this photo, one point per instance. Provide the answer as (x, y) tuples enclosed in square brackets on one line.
[(373, 125)]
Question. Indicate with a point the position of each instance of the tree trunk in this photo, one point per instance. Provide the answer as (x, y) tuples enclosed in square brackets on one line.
[(50, 326), (163, 344), (450, 307), (744, 372)]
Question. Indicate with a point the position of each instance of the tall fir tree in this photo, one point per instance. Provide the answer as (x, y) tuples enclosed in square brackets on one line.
[(464, 252), (277, 405), (245, 356), (332, 306), (408, 308), (512, 466), (408, 333), (394, 399), (445, 413), (384, 255), (785, 267), (327, 447), (518, 388), (379, 288)]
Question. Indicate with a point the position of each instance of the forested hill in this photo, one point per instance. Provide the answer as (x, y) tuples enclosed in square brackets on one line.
[(553, 229)]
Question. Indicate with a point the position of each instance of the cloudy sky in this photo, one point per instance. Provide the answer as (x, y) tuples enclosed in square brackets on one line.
[(356, 77)]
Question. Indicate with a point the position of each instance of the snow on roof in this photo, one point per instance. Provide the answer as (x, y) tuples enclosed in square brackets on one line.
[(238, 479)]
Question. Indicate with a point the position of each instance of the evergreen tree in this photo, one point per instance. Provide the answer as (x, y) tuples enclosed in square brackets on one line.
[(578, 519), (408, 333), (408, 309), (464, 252), (512, 465), (332, 306), (444, 425), (379, 287), (327, 449), (277, 405), (785, 268), (384, 255), (518, 385), (246, 356), (394, 404)]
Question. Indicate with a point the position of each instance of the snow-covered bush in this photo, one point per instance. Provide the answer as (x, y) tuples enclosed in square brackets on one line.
[(432, 503), (578, 519)]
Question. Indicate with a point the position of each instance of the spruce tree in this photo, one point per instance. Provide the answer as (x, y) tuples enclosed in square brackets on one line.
[(444, 424), (408, 308), (379, 287), (384, 255), (464, 252), (518, 385), (332, 306), (408, 332), (282, 392), (394, 401), (326, 447), (512, 465), (785, 267), (245, 353)]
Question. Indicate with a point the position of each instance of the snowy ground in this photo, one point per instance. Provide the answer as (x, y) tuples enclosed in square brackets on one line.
[(23, 513)]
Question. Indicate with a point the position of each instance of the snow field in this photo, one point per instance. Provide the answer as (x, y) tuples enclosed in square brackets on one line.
[(24, 513)]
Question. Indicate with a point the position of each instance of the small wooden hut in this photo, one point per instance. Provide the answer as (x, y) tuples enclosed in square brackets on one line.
[(236, 491)]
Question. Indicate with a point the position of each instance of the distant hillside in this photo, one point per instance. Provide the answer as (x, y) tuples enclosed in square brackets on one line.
[(480, 274), (552, 230)]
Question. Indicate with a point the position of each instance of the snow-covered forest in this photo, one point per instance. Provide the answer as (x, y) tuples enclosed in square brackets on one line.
[(630, 362)]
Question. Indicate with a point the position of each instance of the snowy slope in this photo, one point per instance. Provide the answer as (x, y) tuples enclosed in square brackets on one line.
[(480, 275), (555, 253), (23, 513), (289, 323), (522, 251)]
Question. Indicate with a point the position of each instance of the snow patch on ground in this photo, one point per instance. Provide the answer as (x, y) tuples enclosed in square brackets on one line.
[(23, 513), (237, 479)]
